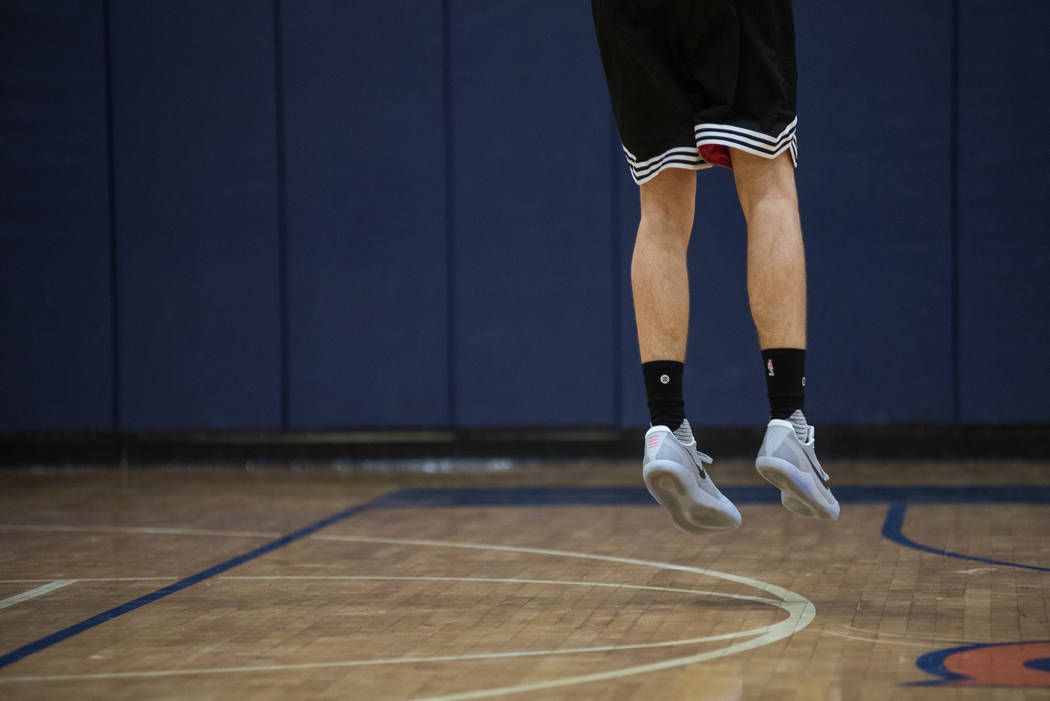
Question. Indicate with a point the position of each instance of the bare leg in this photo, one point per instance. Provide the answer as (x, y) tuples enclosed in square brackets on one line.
[(776, 259), (659, 277), (671, 466), (776, 286)]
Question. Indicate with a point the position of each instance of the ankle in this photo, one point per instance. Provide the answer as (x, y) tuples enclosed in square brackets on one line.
[(663, 388)]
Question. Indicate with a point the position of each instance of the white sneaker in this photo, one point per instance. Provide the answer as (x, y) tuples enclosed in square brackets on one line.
[(791, 464), (673, 472)]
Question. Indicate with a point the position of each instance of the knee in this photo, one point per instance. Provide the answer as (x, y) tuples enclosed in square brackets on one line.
[(761, 179), (667, 205), (665, 225)]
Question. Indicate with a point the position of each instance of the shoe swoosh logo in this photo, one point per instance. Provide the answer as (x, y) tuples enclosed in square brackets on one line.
[(703, 475), (815, 470)]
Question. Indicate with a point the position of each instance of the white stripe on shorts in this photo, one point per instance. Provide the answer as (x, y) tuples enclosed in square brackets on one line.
[(753, 142), (678, 157)]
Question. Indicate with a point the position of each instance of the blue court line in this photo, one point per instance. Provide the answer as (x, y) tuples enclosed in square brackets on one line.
[(892, 529), (86, 624)]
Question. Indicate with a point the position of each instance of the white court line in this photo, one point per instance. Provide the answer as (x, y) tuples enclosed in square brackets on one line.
[(800, 613), (876, 641), (393, 660), (883, 637), (784, 595), (33, 593), (136, 530), (611, 585), (441, 658)]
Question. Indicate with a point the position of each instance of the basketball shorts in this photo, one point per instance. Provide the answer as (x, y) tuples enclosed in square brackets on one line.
[(692, 79)]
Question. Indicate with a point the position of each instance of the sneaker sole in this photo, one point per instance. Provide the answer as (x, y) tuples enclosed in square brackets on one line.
[(692, 509), (799, 491)]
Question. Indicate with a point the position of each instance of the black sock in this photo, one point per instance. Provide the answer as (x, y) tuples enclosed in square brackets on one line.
[(785, 380), (663, 387)]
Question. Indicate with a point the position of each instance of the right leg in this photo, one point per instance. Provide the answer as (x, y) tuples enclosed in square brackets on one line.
[(659, 277), (655, 119), (660, 282)]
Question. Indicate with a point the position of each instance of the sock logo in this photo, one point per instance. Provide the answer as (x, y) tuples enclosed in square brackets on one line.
[(769, 368), (664, 379), (803, 380)]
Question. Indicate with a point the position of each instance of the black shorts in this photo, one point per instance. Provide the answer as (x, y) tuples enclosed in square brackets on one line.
[(691, 79)]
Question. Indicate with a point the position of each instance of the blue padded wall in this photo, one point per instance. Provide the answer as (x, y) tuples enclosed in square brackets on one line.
[(533, 269), (874, 184), (197, 228), (56, 353), (332, 215), (365, 154), (1004, 207)]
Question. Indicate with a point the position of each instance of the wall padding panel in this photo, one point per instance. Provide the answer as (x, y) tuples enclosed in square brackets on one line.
[(1004, 210), (56, 354), (875, 194), (533, 239), (368, 317), (197, 228)]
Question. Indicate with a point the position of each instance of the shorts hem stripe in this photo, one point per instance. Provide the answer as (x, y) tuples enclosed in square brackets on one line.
[(728, 135), (750, 141), (633, 160), (642, 172), (687, 157), (641, 180), (746, 146), (787, 133)]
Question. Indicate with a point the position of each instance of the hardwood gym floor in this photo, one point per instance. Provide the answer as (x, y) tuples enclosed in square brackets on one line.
[(532, 580)]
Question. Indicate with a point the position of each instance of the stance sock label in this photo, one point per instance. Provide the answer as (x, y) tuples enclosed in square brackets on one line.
[(663, 389)]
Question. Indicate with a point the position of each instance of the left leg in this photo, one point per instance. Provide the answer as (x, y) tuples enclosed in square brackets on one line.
[(776, 277), (776, 258), (776, 282)]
